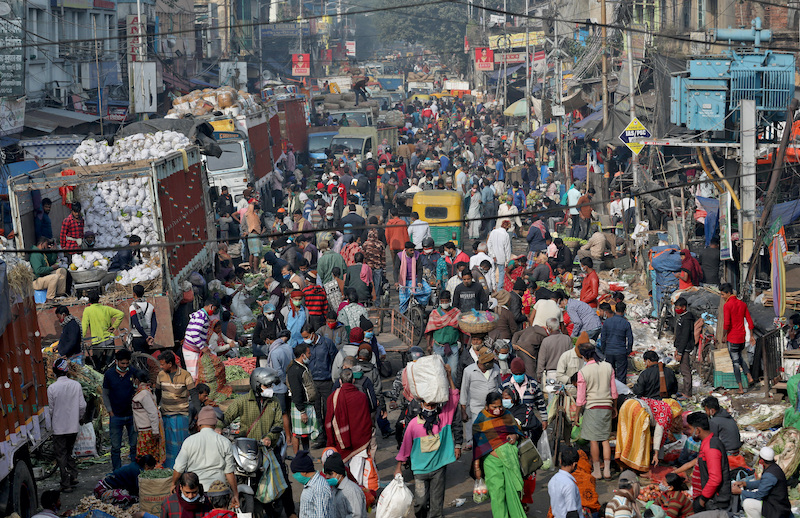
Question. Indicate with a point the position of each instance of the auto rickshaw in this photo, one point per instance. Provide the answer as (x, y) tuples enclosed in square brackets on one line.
[(442, 210)]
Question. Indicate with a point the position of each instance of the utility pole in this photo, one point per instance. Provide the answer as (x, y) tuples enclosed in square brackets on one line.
[(603, 60), (632, 107), (528, 71), (747, 215)]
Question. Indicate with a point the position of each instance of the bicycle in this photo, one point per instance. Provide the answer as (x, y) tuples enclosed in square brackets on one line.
[(562, 429), (140, 362), (416, 314)]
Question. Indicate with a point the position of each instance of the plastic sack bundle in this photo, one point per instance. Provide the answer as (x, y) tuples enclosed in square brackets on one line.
[(396, 501), (427, 379)]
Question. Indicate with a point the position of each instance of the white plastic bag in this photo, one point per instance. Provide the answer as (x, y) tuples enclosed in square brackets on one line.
[(396, 501), (544, 452), (480, 493), (241, 309), (86, 442), (427, 379)]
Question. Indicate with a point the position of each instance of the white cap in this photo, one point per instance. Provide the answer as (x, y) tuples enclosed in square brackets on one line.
[(767, 453), (369, 155)]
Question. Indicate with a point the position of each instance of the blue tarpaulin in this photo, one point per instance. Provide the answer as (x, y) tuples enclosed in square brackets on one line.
[(499, 73), (711, 206), (596, 116), (788, 211), (579, 172)]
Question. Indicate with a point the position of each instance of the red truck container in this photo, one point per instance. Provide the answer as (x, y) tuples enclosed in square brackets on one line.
[(293, 123), (182, 212), (24, 419)]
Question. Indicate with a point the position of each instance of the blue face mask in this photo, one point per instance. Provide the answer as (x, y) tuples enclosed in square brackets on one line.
[(333, 482), (519, 378), (503, 356), (301, 478), (507, 403), (358, 375), (368, 335)]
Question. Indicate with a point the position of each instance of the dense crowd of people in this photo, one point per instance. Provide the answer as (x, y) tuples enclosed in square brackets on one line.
[(330, 246)]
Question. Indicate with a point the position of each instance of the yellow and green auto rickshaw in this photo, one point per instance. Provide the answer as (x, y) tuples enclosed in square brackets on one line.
[(442, 210)]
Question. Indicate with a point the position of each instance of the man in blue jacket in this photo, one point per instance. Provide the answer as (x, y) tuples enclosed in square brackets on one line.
[(616, 339)]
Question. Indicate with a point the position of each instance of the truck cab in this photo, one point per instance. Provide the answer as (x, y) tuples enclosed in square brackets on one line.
[(361, 141), (359, 117), (234, 168), (318, 142)]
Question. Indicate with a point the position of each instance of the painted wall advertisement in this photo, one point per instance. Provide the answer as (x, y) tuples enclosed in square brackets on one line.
[(725, 245), (484, 59), (301, 66), (12, 34)]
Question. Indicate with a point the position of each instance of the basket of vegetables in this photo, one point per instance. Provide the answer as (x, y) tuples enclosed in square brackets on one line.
[(477, 322)]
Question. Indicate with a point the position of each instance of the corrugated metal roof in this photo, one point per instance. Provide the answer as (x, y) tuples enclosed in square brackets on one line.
[(48, 119)]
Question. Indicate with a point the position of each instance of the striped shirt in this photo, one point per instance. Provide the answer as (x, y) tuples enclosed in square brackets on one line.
[(316, 499), (197, 330), (175, 388), (316, 300)]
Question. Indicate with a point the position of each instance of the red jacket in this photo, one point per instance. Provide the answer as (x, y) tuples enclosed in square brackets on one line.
[(396, 233), (590, 288), (735, 312)]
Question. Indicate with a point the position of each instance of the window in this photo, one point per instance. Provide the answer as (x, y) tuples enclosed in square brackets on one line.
[(231, 157), (435, 213), (368, 146), (701, 14)]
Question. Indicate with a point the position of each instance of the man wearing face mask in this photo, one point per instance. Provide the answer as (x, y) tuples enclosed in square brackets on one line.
[(712, 461), (208, 454), (316, 501), (432, 441), (591, 282), (409, 275), (268, 325), (470, 295), (348, 498), (443, 333), (322, 353), (477, 381), (118, 392), (303, 391)]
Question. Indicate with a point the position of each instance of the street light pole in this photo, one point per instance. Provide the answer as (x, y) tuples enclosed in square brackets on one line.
[(528, 71)]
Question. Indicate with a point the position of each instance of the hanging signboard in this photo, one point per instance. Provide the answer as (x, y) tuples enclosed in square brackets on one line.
[(725, 245), (12, 34), (633, 134), (137, 47), (301, 66), (350, 48), (484, 59)]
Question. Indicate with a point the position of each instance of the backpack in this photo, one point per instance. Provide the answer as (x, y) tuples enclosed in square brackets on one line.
[(371, 169), (362, 185)]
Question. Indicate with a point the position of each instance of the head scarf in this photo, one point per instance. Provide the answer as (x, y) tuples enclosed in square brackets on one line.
[(692, 266)]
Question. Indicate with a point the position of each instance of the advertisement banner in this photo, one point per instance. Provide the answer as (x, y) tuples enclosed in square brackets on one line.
[(285, 30), (137, 45), (350, 48), (12, 115), (484, 59), (509, 57), (301, 65), (725, 245), (511, 41), (12, 63)]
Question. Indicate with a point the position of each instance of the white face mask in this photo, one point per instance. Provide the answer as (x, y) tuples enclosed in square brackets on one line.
[(267, 392), (446, 305), (270, 316)]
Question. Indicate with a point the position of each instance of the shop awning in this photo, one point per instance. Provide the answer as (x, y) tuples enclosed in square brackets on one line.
[(48, 119)]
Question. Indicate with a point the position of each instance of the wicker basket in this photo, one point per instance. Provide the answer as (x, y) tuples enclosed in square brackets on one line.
[(772, 423), (476, 328)]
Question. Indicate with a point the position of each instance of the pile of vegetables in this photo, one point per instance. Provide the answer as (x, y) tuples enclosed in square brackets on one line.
[(135, 147), (88, 261), (90, 503), (235, 373), (156, 473), (248, 365), (649, 493)]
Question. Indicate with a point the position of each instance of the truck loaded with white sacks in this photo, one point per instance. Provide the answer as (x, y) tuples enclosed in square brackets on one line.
[(152, 185)]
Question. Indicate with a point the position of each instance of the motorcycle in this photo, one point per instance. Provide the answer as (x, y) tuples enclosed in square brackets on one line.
[(248, 457)]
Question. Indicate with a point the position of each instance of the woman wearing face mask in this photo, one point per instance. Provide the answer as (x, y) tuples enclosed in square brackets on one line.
[(502, 350), (528, 393), (268, 324), (496, 457), (188, 500)]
